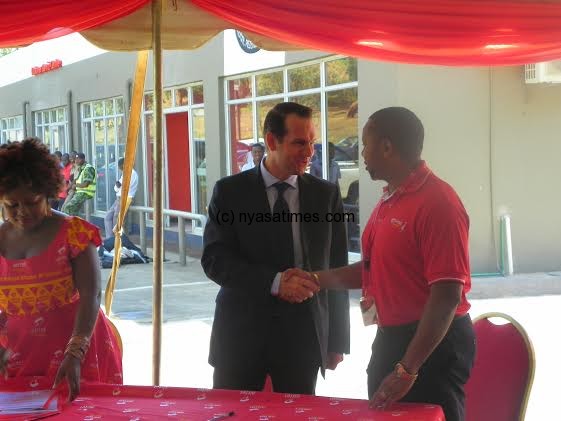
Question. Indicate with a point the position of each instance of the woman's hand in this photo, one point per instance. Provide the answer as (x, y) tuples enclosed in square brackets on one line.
[(69, 369)]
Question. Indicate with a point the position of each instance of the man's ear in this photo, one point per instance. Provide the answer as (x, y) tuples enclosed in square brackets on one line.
[(271, 141), (387, 148)]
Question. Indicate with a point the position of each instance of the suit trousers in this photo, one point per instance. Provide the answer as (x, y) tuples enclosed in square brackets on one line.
[(290, 356), (443, 375)]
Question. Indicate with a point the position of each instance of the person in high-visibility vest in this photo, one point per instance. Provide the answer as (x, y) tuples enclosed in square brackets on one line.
[(85, 186)]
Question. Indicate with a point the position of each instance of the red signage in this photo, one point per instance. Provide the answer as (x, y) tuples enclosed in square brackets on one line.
[(47, 67)]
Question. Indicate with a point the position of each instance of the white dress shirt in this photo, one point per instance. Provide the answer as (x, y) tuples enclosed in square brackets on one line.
[(132, 187)]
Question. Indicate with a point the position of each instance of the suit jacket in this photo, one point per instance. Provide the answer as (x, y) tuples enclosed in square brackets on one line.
[(240, 258)]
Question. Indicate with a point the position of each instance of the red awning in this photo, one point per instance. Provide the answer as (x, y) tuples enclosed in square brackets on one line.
[(446, 32), (26, 22)]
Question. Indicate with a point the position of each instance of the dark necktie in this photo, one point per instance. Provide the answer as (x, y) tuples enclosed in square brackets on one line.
[(284, 241)]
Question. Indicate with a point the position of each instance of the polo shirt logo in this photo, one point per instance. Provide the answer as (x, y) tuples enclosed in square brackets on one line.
[(400, 225)]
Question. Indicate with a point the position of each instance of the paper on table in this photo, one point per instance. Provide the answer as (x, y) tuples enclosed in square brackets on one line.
[(30, 403)]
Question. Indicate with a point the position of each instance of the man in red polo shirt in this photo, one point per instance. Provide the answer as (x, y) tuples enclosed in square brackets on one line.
[(415, 273)]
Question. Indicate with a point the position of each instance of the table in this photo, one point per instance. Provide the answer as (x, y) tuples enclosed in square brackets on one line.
[(144, 403), (101, 402)]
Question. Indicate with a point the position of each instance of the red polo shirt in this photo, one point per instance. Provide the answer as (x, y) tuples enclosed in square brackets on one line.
[(416, 236)]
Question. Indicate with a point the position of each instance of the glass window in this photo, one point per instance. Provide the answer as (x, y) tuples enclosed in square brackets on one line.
[(341, 71), (342, 134), (269, 83), (263, 107), (103, 134), (51, 126), (200, 159), (86, 111), (241, 134), (167, 99), (334, 116), (239, 88), (198, 94), (109, 107), (181, 97), (149, 102), (119, 106), (306, 77), (98, 109)]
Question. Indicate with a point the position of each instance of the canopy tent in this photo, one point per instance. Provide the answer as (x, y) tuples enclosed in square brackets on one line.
[(444, 32)]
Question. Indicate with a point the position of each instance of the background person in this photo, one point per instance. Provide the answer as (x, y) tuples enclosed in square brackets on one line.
[(110, 219)]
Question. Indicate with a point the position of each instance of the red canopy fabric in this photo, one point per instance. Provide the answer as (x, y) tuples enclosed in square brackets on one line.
[(26, 22), (445, 32)]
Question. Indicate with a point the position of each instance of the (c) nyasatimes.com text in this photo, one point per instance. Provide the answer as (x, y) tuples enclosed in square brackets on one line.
[(249, 218)]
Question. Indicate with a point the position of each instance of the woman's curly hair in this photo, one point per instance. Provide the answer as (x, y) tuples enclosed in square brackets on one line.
[(29, 164)]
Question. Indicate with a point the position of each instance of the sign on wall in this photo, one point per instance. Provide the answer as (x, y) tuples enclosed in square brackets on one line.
[(47, 67), (245, 44)]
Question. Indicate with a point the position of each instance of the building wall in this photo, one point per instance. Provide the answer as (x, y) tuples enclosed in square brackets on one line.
[(526, 134)]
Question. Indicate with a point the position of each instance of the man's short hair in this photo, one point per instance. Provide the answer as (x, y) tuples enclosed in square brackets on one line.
[(258, 145), (276, 117), (58, 153), (120, 162), (81, 155), (402, 128)]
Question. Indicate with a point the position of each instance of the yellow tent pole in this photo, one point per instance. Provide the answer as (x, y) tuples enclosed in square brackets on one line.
[(157, 201), (130, 155)]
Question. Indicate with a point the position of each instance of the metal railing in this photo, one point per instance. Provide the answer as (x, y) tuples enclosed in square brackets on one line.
[(181, 218)]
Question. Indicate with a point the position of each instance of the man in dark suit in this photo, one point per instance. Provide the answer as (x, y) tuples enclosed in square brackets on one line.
[(263, 222)]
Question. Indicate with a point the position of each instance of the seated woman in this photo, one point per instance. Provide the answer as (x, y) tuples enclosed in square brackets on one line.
[(50, 285)]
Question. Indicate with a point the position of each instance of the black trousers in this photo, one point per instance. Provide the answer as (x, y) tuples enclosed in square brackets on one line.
[(291, 357), (443, 375)]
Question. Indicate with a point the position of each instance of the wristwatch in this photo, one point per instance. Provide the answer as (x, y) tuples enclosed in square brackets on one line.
[(402, 373)]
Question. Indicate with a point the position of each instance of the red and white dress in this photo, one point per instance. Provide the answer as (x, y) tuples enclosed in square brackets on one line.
[(39, 296)]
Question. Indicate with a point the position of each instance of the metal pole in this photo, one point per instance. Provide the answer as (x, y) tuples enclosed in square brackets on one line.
[(157, 197), (142, 227), (181, 237)]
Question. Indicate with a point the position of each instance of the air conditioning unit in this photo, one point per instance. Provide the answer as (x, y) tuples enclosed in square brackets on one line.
[(549, 72)]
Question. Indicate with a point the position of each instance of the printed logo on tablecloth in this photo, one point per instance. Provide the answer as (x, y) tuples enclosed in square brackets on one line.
[(398, 413), (128, 410), (175, 413), (302, 410), (158, 393), (211, 405), (334, 403), (85, 408), (167, 403), (34, 383), (124, 401), (256, 408), (201, 397), (116, 391), (92, 417)]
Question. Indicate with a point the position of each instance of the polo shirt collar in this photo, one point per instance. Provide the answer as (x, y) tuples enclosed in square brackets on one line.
[(413, 182)]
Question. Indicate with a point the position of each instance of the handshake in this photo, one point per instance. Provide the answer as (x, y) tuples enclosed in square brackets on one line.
[(297, 285)]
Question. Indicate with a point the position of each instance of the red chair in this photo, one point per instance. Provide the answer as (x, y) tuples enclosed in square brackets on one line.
[(503, 372)]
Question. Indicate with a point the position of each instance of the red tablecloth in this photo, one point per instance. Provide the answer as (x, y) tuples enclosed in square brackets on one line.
[(101, 402), (147, 403)]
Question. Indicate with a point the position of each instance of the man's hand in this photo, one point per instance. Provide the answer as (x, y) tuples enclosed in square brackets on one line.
[(333, 359), (392, 389), (297, 286)]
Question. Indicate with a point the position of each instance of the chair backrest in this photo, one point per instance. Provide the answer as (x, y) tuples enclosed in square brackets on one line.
[(116, 333), (503, 372)]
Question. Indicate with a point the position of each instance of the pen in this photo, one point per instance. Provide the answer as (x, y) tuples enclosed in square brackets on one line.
[(225, 415)]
